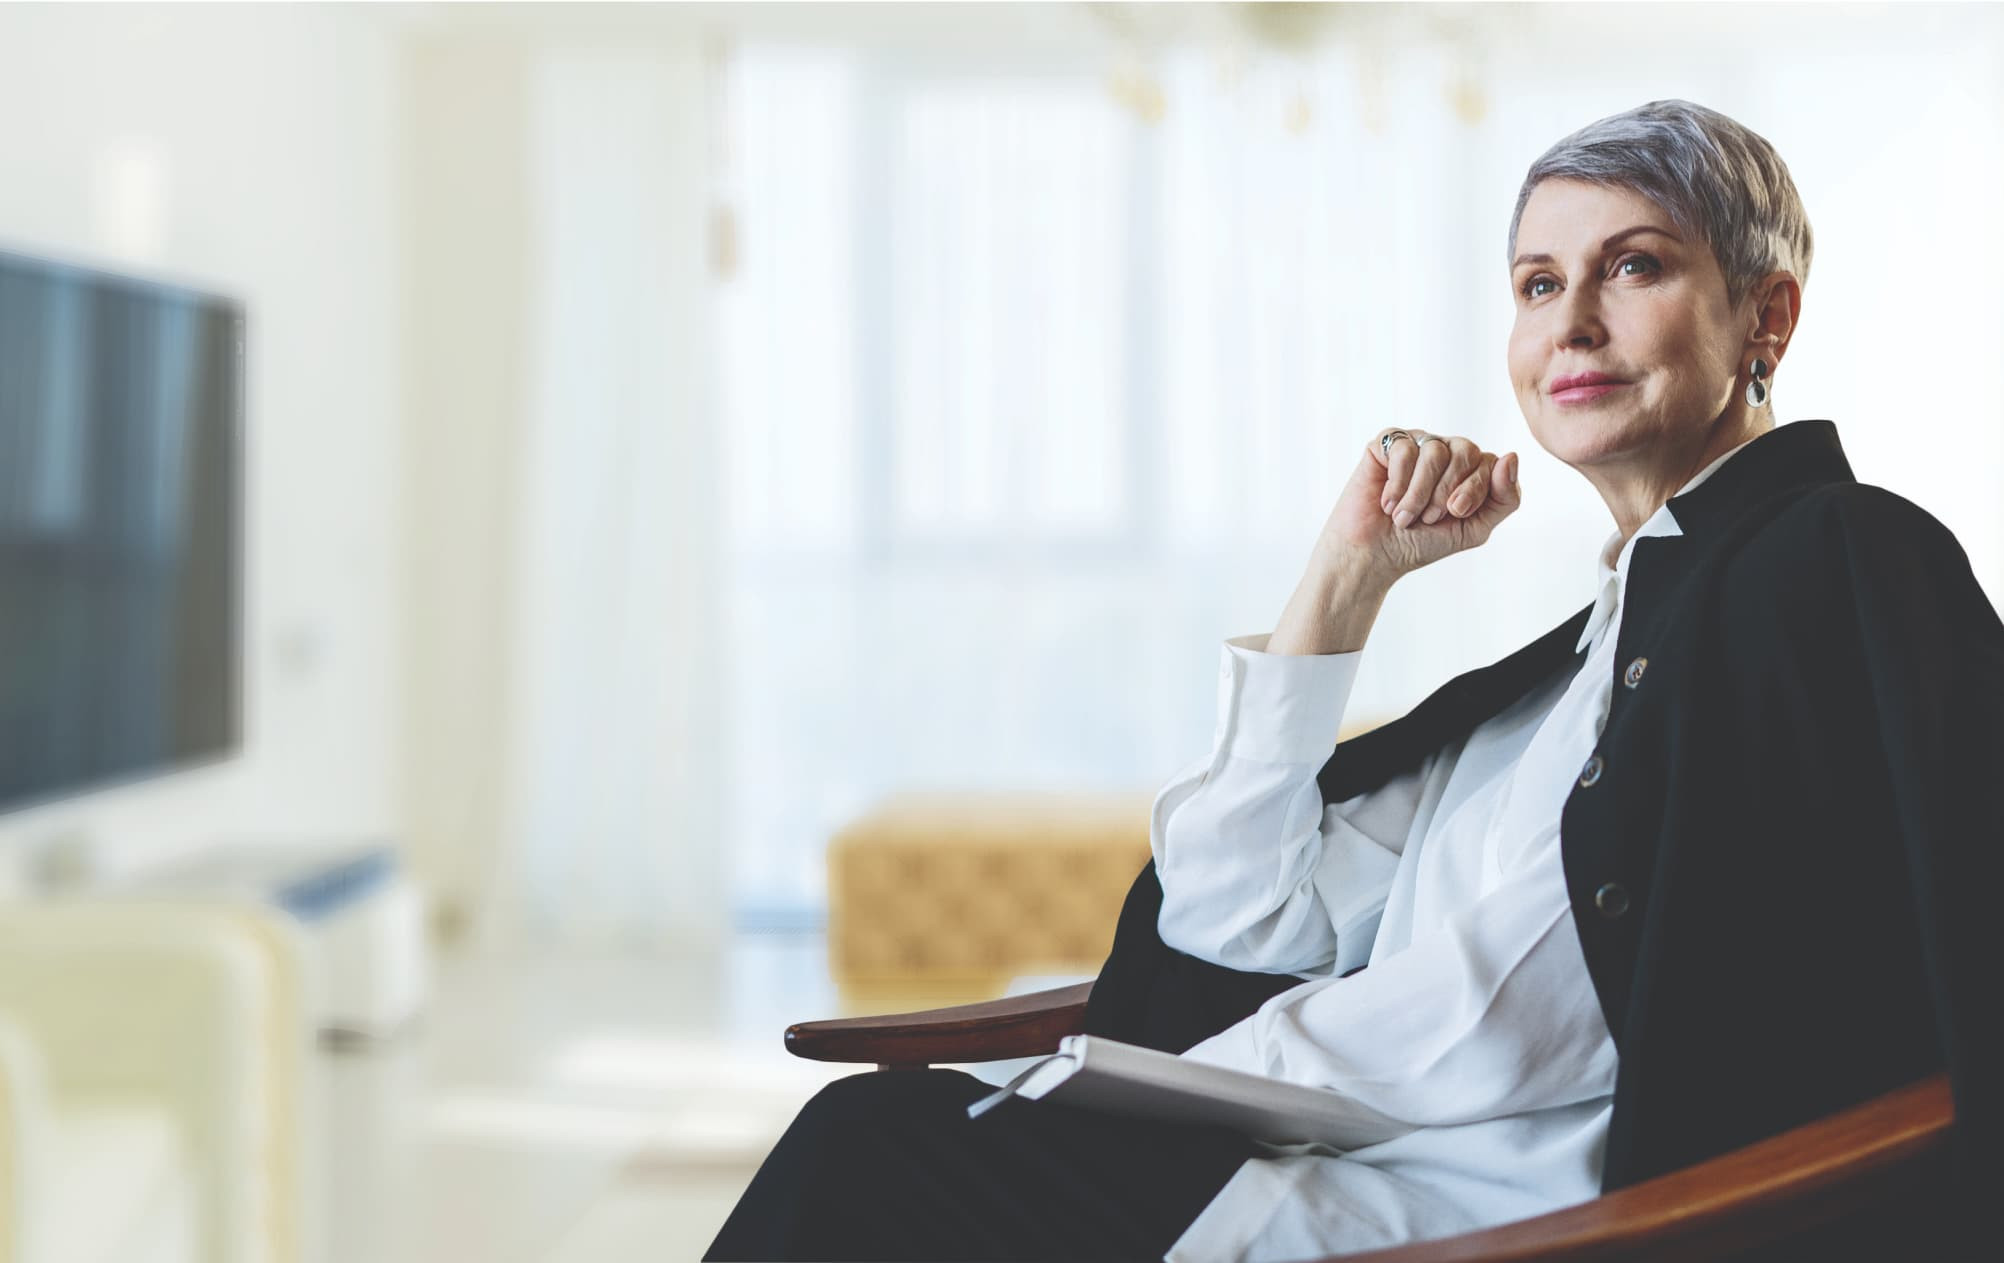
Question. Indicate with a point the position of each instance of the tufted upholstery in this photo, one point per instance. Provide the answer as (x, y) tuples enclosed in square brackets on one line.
[(954, 894)]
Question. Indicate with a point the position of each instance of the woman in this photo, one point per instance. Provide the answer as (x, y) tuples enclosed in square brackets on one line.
[(1715, 856)]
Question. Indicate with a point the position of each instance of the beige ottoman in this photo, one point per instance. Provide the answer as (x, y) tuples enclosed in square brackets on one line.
[(943, 898)]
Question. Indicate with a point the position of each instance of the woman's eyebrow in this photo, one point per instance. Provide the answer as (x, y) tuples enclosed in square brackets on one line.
[(1522, 259)]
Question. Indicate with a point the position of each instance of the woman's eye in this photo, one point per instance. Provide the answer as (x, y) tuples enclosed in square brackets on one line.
[(1526, 288)]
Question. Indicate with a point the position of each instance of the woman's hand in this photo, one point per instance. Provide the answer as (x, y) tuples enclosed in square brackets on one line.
[(1449, 495)]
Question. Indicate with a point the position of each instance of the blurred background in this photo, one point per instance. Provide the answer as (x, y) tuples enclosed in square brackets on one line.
[(541, 544)]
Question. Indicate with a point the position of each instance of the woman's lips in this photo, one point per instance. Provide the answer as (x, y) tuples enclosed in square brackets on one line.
[(1586, 394)]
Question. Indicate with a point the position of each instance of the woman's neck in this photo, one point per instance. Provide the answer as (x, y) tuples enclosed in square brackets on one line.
[(1634, 500)]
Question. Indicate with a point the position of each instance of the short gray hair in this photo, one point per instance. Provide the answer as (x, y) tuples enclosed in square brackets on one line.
[(1714, 177)]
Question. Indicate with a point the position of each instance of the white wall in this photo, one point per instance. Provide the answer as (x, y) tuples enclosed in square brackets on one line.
[(253, 145)]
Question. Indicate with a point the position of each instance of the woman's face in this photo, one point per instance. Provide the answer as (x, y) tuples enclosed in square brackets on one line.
[(1604, 283)]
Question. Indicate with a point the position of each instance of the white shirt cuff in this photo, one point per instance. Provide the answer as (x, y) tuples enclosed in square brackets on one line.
[(1278, 707)]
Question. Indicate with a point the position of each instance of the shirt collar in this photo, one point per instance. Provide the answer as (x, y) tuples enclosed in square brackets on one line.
[(1611, 565)]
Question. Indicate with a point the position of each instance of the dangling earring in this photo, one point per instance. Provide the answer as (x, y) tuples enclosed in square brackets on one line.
[(1757, 388)]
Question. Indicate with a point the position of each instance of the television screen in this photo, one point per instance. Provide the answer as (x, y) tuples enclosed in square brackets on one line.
[(121, 406)]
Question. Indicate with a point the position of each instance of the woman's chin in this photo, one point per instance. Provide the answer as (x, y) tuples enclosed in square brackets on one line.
[(1583, 440)]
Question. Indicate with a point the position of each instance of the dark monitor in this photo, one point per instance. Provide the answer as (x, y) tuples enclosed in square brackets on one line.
[(121, 426)]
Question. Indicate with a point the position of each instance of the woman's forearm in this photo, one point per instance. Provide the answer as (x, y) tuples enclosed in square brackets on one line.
[(1332, 609)]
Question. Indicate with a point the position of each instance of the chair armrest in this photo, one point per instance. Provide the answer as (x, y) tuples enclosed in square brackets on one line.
[(1801, 1179), (995, 1030)]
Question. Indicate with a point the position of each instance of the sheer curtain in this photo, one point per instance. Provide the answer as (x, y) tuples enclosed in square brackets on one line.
[(612, 807), (1029, 398)]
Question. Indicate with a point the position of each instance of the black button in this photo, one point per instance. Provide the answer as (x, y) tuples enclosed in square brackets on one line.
[(1611, 899), (1591, 772), (1635, 670)]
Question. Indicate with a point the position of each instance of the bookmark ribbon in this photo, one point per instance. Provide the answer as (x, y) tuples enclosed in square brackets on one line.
[(1004, 1092)]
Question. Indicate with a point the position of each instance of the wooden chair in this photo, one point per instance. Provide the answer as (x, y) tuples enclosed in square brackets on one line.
[(1877, 1161)]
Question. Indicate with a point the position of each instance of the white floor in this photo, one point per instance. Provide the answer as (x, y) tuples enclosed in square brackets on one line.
[(575, 1111)]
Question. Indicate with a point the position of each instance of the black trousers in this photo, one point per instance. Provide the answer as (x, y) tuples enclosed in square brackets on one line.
[(887, 1165)]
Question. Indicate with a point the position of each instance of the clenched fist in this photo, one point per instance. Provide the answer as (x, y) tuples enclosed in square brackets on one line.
[(1423, 501)]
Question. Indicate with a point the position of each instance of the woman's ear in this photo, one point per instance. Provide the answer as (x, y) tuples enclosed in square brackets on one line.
[(1775, 312)]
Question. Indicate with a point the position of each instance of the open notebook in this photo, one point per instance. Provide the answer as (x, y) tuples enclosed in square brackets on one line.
[(1098, 1073)]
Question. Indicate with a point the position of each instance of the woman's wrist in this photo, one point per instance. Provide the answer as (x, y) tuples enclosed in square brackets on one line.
[(1333, 607), (1352, 568)]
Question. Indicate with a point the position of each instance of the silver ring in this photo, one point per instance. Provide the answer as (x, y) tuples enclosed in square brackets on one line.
[(1425, 438), (1385, 441)]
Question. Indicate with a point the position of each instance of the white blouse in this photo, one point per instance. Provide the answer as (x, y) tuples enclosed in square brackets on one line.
[(1476, 1022)]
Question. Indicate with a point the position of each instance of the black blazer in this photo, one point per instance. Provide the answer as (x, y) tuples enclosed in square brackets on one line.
[(1784, 853)]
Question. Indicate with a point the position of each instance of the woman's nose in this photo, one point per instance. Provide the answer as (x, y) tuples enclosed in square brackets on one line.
[(1579, 321)]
